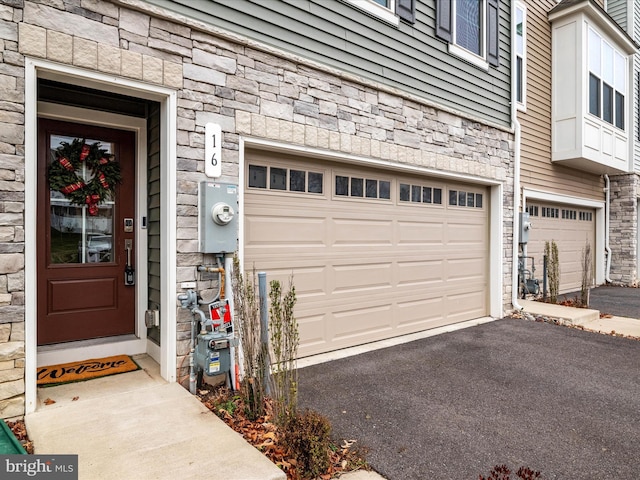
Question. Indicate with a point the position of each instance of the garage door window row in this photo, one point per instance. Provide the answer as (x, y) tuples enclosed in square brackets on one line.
[(420, 194), (285, 179), (360, 187), (461, 198), (564, 214)]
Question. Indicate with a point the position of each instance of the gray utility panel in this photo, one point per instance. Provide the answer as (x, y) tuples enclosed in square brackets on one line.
[(218, 211)]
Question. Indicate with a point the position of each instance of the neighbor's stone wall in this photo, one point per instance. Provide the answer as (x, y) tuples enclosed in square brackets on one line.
[(623, 231), (219, 78)]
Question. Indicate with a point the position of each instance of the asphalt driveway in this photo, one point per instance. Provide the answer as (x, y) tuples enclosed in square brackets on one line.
[(558, 400)]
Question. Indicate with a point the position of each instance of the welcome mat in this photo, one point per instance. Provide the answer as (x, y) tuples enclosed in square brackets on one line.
[(85, 370)]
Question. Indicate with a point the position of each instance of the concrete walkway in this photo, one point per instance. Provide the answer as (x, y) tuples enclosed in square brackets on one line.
[(585, 318), (135, 425)]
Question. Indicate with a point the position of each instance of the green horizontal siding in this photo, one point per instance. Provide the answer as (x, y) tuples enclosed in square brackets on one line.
[(342, 36)]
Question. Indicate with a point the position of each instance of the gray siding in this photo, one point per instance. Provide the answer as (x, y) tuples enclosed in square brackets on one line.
[(340, 35), (153, 214), (617, 9)]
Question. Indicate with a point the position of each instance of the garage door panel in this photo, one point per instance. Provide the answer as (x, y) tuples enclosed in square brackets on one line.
[(463, 304), (356, 278), (350, 232), (415, 313), (359, 322), (417, 233), (420, 273), (469, 269), (312, 331), (300, 231)]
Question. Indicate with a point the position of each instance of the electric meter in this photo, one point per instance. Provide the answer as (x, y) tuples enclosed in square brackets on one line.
[(222, 213)]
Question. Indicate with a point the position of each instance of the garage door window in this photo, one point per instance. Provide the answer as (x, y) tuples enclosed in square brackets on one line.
[(465, 199), (359, 187), (420, 194), (291, 180)]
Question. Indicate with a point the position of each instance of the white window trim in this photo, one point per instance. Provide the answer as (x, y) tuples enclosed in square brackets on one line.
[(455, 49), (468, 56), (523, 104), (599, 119), (377, 10)]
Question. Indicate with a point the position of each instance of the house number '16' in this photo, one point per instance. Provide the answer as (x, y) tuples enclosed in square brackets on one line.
[(212, 150)]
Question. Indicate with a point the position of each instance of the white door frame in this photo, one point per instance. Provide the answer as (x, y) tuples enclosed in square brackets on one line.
[(34, 69)]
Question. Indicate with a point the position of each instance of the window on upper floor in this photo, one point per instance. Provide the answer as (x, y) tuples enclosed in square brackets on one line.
[(607, 80), (388, 10), (520, 32), (471, 29)]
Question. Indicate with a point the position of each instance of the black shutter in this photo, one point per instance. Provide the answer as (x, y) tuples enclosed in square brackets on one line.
[(493, 48), (443, 19), (406, 10)]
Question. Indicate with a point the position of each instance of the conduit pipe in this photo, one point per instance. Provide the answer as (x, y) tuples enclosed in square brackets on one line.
[(607, 248)]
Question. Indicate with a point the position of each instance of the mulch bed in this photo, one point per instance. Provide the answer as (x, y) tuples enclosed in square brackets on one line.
[(264, 435)]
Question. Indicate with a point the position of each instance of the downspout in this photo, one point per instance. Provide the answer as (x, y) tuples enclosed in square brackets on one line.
[(607, 208), (516, 170)]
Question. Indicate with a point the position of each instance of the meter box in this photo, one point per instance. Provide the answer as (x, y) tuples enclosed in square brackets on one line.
[(525, 226), (218, 211), (212, 355)]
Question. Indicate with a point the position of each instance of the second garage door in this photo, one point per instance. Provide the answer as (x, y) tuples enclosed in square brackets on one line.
[(373, 255), (571, 228)]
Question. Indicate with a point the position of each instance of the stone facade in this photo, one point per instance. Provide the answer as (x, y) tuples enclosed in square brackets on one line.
[(623, 229), (249, 91)]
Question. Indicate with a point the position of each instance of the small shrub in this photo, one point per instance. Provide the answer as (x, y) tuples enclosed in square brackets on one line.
[(587, 275), (502, 472), (307, 435), (553, 269), (255, 353), (283, 328)]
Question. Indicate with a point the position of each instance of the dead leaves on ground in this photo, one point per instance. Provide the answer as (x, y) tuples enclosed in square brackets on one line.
[(20, 432), (263, 434)]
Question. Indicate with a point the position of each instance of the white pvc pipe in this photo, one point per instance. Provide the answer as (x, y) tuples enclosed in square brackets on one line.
[(516, 173)]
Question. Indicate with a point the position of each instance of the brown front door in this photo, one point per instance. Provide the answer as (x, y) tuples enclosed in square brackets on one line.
[(82, 248)]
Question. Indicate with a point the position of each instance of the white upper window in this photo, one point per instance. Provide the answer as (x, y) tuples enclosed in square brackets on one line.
[(520, 32), (385, 9), (607, 81), (471, 28)]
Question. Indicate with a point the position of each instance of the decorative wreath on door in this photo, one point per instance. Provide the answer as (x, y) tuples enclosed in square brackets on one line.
[(105, 174)]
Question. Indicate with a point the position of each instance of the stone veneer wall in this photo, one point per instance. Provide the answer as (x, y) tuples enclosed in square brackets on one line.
[(225, 79), (623, 229)]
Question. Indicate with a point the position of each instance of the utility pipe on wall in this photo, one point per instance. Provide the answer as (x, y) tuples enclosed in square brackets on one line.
[(607, 248), (516, 171)]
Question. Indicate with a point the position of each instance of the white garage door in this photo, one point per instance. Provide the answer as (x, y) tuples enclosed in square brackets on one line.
[(373, 255), (571, 228)]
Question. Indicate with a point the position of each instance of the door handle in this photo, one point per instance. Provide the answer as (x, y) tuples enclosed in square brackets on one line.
[(129, 272)]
